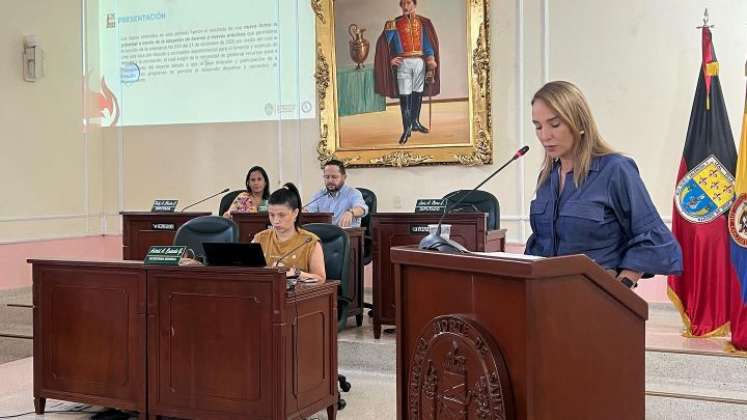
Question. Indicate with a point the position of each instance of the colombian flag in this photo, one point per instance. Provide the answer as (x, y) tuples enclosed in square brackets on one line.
[(703, 197), (738, 231)]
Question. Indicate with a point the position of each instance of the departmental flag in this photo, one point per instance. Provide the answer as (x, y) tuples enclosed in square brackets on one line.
[(702, 199), (738, 231)]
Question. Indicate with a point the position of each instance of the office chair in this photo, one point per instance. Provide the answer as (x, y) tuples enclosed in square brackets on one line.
[(336, 247), (482, 201), (206, 229), (370, 198), (226, 200)]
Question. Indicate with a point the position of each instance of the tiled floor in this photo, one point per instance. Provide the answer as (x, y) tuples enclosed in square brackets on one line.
[(369, 365), (664, 332), (372, 396)]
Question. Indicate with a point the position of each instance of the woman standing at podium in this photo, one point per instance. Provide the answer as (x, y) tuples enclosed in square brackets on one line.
[(590, 199), (254, 199), (285, 243)]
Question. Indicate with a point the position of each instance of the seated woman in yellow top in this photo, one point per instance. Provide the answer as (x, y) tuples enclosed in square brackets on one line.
[(254, 199), (286, 244)]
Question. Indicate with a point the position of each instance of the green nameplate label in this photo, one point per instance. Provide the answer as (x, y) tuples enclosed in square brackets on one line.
[(164, 255), (164, 206), (430, 205)]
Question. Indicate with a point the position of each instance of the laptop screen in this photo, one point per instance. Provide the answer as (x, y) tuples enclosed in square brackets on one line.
[(234, 254)]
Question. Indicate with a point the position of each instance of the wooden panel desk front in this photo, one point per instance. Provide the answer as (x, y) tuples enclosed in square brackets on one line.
[(142, 229), (560, 326), (222, 342), (395, 229)]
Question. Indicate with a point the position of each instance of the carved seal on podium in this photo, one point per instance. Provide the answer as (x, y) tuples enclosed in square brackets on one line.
[(458, 372)]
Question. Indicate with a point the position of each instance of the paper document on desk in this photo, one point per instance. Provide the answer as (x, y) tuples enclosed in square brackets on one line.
[(508, 255)]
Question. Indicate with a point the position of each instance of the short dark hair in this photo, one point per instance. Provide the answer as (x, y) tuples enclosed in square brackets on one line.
[(266, 191), (287, 195), (335, 162)]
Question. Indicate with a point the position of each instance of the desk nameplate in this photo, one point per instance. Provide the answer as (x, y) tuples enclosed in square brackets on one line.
[(164, 206)]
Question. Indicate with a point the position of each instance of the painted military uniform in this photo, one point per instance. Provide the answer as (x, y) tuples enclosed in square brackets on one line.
[(412, 38)]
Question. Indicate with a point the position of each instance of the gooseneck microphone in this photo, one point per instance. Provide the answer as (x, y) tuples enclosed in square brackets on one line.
[(434, 240), (327, 194), (206, 198), (284, 256)]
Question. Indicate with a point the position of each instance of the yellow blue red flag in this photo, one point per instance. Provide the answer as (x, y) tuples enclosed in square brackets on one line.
[(738, 231), (702, 199)]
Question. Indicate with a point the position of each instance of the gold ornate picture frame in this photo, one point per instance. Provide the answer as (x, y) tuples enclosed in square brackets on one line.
[(475, 150)]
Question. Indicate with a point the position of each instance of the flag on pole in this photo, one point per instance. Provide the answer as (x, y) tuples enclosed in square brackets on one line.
[(738, 231), (702, 199)]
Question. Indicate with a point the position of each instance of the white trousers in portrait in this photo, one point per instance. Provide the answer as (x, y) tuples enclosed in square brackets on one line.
[(411, 75)]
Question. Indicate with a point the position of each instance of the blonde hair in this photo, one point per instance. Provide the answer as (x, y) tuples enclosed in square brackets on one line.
[(567, 101)]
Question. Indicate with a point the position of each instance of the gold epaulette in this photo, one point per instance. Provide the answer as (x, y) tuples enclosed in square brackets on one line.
[(390, 26)]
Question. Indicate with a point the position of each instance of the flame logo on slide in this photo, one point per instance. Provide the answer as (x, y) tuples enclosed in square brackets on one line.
[(108, 101), (103, 104)]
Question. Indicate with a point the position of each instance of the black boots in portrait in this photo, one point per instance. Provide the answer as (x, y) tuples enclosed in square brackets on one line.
[(417, 103), (410, 107), (405, 107)]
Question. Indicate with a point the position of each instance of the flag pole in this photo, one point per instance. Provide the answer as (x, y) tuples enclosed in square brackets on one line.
[(706, 19)]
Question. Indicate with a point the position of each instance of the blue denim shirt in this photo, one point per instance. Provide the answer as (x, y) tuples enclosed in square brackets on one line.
[(345, 199), (610, 218)]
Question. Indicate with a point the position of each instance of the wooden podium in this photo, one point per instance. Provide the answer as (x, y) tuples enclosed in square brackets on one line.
[(187, 342), (141, 229), (394, 229), (554, 338)]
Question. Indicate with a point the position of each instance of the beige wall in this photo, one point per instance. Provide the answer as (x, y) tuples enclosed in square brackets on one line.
[(637, 62), (639, 66), (47, 165)]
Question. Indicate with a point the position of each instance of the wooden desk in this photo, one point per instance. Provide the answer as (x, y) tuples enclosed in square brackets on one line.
[(222, 342), (251, 223), (520, 338), (394, 229), (141, 229)]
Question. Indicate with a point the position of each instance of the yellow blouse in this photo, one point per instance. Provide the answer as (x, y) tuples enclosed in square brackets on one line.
[(275, 250)]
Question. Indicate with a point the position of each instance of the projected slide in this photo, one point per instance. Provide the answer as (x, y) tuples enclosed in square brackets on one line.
[(187, 61)]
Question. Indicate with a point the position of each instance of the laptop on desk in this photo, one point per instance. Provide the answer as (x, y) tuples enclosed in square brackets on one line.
[(234, 254)]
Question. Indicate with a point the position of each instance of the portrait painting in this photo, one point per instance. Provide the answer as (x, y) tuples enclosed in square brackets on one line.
[(404, 82)]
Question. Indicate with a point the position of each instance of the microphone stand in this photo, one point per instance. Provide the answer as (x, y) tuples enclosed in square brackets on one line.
[(327, 194), (434, 240), (207, 198)]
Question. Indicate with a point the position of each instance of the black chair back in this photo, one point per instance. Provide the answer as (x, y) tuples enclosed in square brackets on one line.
[(370, 198), (336, 247), (479, 200), (226, 200), (206, 229)]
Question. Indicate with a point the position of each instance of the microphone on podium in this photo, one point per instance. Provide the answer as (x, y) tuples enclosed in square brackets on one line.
[(434, 240), (206, 198)]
